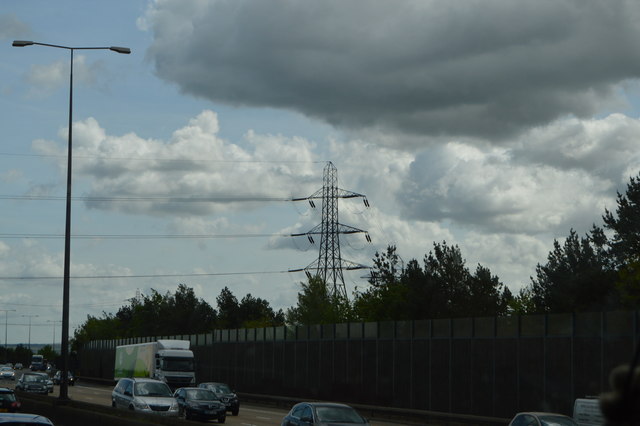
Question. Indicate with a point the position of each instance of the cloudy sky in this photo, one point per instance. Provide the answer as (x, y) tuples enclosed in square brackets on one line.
[(494, 125)]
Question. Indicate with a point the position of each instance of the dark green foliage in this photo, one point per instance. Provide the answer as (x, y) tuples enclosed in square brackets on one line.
[(576, 277), (443, 287), (316, 305), (176, 314)]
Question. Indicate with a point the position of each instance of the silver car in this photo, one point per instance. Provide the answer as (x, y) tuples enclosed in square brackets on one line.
[(144, 395), (7, 373)]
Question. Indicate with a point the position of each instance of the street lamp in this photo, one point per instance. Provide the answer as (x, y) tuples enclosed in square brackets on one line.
[(64, 341), (53, 341), (29, 316), (6, 326)]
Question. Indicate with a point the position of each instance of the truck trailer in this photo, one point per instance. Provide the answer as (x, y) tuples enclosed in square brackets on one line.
[(168, 360)]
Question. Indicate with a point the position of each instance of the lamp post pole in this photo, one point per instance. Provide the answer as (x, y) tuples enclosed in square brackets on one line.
[(53, 341), (29, 316), (64, 341), (6, 327)]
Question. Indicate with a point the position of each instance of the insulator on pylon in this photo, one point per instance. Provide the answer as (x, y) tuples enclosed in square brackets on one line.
[(366, 202), (310, 238), (367, 237), (308, 274), (312, 204)]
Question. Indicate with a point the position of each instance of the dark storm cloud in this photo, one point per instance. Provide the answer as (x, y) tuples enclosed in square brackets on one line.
[(481, 68)]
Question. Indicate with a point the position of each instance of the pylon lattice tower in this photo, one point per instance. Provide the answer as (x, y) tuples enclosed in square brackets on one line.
[(330, 265)]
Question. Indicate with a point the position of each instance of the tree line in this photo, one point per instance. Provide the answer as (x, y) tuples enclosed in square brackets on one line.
[(597, 271)]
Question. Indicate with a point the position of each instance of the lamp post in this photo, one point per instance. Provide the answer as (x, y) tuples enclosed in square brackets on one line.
[(6, 326), (53, 341), (64, 341), (29, 316)]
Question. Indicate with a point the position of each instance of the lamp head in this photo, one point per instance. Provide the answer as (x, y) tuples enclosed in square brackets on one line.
[(124, 50), (21, 43)]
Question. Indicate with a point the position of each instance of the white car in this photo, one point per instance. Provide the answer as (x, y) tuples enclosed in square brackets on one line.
[(7, 373), (144, 395)]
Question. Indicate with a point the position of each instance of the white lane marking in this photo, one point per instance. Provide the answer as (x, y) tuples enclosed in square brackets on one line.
[(263, 418), (275, 413)]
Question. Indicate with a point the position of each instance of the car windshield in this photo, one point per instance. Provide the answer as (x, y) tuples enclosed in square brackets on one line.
[(220, 388), (152, 389), (177, 364), (33, 378), (556, 421), (6, 396), (201, 395), (338, 415)]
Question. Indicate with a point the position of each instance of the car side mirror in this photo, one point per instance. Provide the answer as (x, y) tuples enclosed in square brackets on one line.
[(127, 393)]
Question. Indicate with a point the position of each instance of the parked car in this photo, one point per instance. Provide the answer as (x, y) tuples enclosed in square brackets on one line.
[(541, 419), (144, 395), (224, 394), (57, 378), (32, 382), (24, 419), (8, 401), (322, 413), (7, 373), (200, 403)]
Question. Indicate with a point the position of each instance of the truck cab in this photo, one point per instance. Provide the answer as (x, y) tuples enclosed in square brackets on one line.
[(174, 363)]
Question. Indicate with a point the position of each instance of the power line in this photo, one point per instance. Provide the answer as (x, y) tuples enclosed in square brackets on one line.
[(180, 160), (144, 199), (212, 274), (141, 236)]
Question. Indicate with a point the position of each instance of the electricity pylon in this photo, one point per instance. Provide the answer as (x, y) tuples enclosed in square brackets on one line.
[(329, 265)]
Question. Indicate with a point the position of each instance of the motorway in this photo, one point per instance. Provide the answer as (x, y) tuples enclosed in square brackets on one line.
[(250, 415)]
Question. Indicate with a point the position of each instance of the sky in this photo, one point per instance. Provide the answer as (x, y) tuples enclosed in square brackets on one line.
[(493, 125)]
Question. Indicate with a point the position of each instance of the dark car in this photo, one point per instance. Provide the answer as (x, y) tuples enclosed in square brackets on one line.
[(57, 378), (224, 394), (323, 413), (541, 419), (200, 403), (24, 419), (33, 382), (8, 401)]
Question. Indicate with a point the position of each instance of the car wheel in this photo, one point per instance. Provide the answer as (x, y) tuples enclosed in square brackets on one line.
[(113, 404), (131, 407), (222, 419)]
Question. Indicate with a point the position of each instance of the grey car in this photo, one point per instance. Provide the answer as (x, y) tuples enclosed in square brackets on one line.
[(323, 413), (144, 395), (32, 382)]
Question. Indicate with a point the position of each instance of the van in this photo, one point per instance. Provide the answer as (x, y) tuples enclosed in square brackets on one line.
[(586, 412)]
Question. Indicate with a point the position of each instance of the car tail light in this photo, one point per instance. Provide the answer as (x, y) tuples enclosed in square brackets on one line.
[(15, 404)]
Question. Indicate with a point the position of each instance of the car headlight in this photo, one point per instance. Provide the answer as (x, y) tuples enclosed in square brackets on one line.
[(140, 405), (174, 406)]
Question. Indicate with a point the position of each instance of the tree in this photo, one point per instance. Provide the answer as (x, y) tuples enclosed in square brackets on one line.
[(48, 353), (316, 305), (576, 277), (256, 312), (228, 310), (625, 243)]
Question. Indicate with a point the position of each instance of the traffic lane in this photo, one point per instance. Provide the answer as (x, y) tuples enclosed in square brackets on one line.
[(250, 415)]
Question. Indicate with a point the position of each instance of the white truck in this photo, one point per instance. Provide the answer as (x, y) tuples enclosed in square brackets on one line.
[(168, 360)]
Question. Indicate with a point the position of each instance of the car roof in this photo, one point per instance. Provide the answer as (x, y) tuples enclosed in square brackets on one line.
[(6, 390), (326, 404), (24, 418)]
